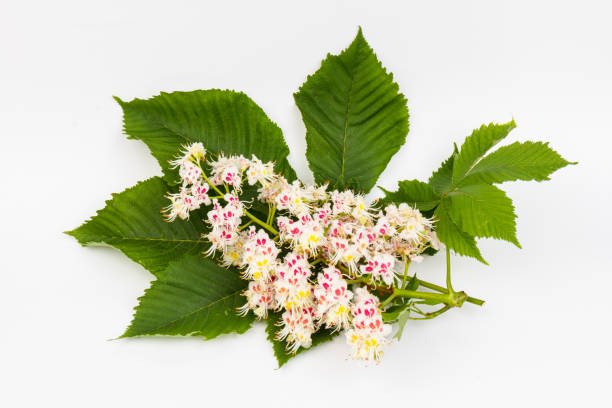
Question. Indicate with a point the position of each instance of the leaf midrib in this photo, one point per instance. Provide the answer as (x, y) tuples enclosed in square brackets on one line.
[(158, 122), (154, 239), (198, 310), (502, 167), (346, 122)]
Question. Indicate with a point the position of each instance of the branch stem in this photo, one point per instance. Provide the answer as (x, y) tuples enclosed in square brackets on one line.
[(449, 285), (260, 222), (405, 273), (433, 286), (451, 299)]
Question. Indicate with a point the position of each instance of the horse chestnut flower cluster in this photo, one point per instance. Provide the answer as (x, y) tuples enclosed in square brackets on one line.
[(315, 258)]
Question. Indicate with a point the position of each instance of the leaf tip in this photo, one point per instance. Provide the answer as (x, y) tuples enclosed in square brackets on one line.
[(517, 244), (118, 100), (359, 38), (74, 234)]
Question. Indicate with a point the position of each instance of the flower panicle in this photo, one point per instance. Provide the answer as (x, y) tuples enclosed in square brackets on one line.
[(298, 261)]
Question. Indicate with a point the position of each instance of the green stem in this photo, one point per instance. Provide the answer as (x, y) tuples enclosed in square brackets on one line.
[(245, 225), (451, 299), (271, 214), (405, 273), (344, 269), (260, 222), (387, 300), (431, 315), (359, 280), (209, 182), (441, 289), (248, 214), (428, 285), (448, 272)]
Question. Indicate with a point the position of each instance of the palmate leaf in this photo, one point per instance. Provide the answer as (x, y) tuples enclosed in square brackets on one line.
[(441, 179), (355, 118), (195, 297), (224, 121), (484, 211), (279, 347), (476, 145), (454, 237), (413, 192), (517, 161), (132, 223)]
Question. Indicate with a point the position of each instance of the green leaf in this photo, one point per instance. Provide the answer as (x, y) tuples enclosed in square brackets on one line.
[(518, 161), (413, 192), (355, 118), (476, 145), (279, 347), (391, 314), (132, 223), (224, 121), (484, 210), (413, 283), (452, 236), (196, 297), (402, 319), (440, 180)]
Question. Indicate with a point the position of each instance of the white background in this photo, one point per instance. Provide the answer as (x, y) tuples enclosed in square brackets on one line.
[(543, 337)]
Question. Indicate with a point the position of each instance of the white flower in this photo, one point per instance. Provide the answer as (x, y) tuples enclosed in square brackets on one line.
[(190, 173), (229, 170), (259, 256), (384, 226), (366, 345), (412, 229), (271, 190), (368, 337), (344, 252), (292, 288), (200, 193), (342, 201), (224, 222), (361, 211), (260, 299), (292, 198), (297, 328), (260, 172), (177, 208), (333, 299), (180, 205), (197, 151), (221, 238), (380, 266), (314, 193), (305, 235), (194, 151), (323, 214), (232, 255)]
